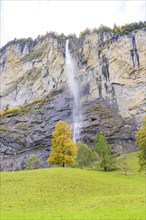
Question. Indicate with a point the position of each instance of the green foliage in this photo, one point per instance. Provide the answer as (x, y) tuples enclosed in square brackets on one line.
[(65, 194), (11, 111), (86, 156), (127, 28), (141, 144), (25, 107), (102, 29), (15, 110), (52, 34), (61, 37), (34, 163), (4, 128), (63, 148), (84, 33), (24, 41), (38, 102), (55, 35), (124, 29), (116, 29), (107, 159), (71, 36), (122, 160), (107, 162), (34, 54)]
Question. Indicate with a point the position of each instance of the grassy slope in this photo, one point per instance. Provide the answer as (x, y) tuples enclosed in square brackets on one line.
[(65, 193)]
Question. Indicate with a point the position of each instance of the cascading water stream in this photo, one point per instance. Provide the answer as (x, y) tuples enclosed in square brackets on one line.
[(74, 89)]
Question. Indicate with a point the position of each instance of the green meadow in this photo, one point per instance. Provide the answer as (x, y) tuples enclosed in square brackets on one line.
[(71, 193)]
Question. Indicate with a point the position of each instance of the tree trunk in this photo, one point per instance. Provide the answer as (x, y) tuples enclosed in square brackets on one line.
[(105, 169), (63, 165)]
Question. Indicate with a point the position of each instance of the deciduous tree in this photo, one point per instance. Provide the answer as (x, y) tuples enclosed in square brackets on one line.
[(64, 149), (86, 156), (141, 144)]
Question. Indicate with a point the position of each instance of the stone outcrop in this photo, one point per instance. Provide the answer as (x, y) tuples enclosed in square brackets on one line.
[(111, 71)]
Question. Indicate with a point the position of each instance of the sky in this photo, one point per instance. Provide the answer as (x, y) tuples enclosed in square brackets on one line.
[(23, 19)]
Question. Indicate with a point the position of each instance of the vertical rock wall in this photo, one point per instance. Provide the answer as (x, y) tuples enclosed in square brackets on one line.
[(111, 71)]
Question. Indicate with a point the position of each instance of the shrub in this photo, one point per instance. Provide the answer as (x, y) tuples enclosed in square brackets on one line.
[(10, 111), (34, 162), (86, 156), (15, 110)]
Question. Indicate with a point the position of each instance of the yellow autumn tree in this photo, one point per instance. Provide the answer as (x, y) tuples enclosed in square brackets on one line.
[(64, 149)]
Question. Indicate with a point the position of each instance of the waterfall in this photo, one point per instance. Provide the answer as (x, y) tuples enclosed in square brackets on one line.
[(74, 89)]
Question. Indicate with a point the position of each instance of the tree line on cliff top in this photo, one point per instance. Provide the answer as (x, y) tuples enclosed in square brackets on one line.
[(123, 29)]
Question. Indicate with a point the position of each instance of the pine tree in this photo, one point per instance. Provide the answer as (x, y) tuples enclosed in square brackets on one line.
[(64, 149), (104, 150)]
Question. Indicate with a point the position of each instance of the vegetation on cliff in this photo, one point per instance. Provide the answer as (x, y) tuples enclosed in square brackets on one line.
[(127, 28), (28, 106), (12, 111), (123, 29)]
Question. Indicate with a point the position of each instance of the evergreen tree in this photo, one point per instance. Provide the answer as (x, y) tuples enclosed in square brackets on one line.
[(104, 150), (63, 148)]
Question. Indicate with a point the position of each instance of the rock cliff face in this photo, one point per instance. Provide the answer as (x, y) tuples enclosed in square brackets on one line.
[(111, 71)]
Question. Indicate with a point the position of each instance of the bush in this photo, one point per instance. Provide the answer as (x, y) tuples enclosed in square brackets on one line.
[(86, 156), (34, 162), (10, 111), (14, 110)]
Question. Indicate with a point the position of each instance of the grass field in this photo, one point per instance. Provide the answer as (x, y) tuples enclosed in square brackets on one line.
[(68, 193)]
